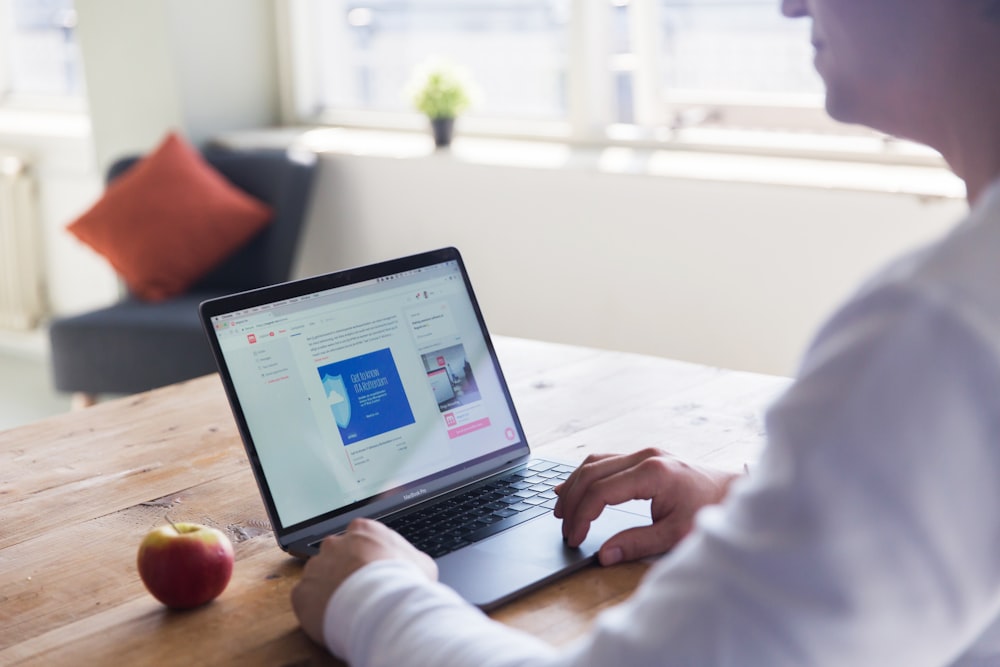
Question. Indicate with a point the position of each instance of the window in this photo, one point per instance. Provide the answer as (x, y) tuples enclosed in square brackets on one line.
[(39, 55), (696, 72), (739, 46), (366, 51), (712, 52)]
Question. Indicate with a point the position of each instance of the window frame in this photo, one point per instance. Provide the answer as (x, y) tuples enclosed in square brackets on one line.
[(6, 29), (796, 125), (73, 103)]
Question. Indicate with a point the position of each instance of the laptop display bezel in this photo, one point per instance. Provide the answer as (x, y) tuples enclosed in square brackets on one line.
[(391, 500)]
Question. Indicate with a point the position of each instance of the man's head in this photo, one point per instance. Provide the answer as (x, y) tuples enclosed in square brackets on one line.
[(901, 65)]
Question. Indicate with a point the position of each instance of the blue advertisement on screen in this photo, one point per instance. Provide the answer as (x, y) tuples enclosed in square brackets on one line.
[(366, 396)]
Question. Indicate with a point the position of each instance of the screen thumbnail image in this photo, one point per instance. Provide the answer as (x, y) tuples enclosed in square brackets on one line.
[(366, 396), (450, 377)]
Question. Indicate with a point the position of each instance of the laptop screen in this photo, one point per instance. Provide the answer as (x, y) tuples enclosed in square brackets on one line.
[(362, 389)]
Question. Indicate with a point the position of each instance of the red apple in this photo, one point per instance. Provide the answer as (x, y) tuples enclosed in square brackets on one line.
[(185, 564)]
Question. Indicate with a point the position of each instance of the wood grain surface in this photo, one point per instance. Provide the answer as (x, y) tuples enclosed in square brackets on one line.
[(79, 491)]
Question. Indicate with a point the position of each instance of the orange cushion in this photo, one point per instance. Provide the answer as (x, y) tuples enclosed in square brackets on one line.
[(169, 220)]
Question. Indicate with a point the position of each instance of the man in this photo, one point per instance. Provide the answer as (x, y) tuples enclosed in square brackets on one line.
[(869, 534)]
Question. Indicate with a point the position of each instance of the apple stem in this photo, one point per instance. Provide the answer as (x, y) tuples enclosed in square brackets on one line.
[(171, 522)]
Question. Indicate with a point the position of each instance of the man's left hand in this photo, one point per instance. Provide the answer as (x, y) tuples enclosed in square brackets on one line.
[(340, 556)]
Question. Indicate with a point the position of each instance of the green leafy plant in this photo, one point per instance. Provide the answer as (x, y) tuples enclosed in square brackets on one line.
[(441, 90)]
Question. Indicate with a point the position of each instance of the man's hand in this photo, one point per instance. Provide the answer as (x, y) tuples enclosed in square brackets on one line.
[(677, 491), (365, 541)]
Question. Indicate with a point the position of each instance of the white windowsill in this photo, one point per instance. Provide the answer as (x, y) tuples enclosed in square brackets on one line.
[(33, 344), (43, 123), (924, 181)]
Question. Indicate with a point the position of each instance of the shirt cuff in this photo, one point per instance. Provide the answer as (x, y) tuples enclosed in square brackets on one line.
[(362, 589)]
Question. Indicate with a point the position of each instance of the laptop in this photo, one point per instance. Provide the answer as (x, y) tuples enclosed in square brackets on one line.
[(376, 392)]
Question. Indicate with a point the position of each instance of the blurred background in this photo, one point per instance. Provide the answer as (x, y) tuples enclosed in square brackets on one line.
[(655, 176)]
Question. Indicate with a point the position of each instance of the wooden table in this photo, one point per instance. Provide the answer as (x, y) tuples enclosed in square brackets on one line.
[(79, 491)]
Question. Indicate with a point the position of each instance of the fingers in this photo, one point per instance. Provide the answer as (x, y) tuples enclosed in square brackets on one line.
[(600, 481), (366, 540), (571, 480), (645, 480), (309, 605), (339, 556), (320, 578), (594, 467), (635, 543)]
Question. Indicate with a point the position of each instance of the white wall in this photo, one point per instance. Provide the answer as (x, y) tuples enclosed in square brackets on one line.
[(194, 66), (58, 148), (734, 275)]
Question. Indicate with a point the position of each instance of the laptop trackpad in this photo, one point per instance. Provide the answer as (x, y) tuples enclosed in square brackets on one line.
[(495, 570)]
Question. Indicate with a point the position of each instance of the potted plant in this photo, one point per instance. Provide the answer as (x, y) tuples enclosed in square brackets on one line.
[(441, 91)]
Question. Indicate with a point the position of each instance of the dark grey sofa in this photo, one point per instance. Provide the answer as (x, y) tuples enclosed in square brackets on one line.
[(135, 345)]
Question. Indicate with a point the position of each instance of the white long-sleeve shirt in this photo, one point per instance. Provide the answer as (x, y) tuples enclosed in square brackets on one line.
[(869, 533)]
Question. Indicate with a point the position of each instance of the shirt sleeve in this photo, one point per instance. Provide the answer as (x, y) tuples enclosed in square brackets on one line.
[(865, 536), (388, 613)]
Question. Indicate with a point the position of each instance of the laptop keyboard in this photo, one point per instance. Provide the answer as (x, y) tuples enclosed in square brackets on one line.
[(485, 510)]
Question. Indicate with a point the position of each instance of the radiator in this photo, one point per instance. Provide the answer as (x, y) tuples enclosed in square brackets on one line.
[(22, 294)]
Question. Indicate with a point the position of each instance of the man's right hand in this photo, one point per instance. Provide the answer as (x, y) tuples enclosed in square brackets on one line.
[(677, 491)]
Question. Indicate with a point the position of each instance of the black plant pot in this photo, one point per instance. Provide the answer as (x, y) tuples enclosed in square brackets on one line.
[(443, 128)]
